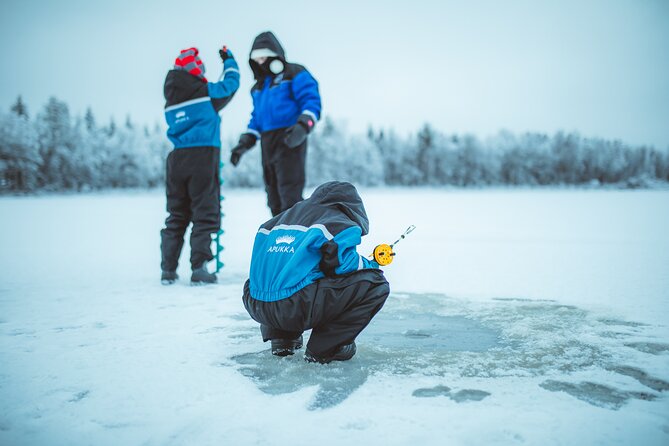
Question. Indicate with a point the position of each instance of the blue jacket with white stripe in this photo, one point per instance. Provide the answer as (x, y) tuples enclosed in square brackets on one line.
[(192, 106), (313, 239)]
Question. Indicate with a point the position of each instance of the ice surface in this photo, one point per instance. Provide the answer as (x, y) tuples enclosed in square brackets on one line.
[(535, 317), (421, 335)]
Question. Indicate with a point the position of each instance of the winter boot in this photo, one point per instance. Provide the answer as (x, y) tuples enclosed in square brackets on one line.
[(168, 277), (201, 276), (342, 353), (286, 347)]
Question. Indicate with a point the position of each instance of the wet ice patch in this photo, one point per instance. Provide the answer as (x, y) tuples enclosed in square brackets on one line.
[(432, 392), (79, 396), (429, 333), (644, 378), (465, 395), (436, 336), (654, 348), (596, 394), (277, 376), (461, 396)]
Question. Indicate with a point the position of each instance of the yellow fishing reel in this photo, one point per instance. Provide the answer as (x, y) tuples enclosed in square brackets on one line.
[(383, 254)]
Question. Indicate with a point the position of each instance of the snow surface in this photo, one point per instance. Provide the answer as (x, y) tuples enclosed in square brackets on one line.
[(516, 317)]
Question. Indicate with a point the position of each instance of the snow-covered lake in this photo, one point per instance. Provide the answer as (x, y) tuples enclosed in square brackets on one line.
[(516, 317)]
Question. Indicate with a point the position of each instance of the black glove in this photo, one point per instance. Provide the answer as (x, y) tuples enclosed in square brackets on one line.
[(225, 53), (246, 141), (297, 134)]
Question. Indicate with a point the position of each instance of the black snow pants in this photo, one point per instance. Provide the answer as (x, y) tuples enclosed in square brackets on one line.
[(337, 309), (192, 186), (283, 170)]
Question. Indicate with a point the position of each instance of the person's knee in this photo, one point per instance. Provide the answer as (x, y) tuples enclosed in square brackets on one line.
[(177, 223)]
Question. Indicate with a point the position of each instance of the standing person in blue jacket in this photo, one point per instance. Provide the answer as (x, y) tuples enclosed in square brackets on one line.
[(307, 274), (192, 179), (286, 106)]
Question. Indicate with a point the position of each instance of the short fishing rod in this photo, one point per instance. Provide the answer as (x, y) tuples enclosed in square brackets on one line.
[(383, 254)]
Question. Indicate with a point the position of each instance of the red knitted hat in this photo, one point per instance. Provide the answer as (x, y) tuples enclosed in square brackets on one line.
[(189, 61)]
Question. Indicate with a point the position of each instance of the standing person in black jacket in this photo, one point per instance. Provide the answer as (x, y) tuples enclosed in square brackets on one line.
[(192, 180), (286, 106)]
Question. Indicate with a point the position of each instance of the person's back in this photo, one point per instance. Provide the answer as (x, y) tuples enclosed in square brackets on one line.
[(306, 273), (314, 238)]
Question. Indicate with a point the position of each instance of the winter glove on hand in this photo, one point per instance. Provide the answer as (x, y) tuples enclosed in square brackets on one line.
[(329, 258), (297, 134), (246, 141), (225, 54)]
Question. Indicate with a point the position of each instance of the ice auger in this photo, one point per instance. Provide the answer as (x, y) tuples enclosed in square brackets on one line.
[(383, 254), (219, 233)]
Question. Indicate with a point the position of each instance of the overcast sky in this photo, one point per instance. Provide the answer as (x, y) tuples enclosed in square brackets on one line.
[(598, 67)]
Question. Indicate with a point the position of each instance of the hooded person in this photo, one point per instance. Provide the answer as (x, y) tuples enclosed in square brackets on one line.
[(192, 178), (286, 107), (306, 274)]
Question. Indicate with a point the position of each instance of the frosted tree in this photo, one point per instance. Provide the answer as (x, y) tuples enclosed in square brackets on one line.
[(89, 118), (55, 145), (19, 155), (568, 156), (19, 108), (325, 153)]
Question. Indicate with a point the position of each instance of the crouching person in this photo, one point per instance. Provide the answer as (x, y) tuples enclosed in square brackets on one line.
[(307, 274)]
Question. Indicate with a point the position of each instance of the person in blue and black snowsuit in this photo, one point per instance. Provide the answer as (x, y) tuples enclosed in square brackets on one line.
[(306, 273), (286, 106), (192, 179)]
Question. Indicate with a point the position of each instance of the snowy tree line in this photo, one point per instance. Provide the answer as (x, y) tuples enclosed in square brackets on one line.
[(433, 158), (57, 152), (54, 151)]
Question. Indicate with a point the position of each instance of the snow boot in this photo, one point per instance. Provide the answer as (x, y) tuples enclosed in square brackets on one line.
[(201, 276), (286, 347), (168, 277), (343, 353)]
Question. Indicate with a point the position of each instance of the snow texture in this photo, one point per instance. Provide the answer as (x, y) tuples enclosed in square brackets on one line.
[(516, 317)]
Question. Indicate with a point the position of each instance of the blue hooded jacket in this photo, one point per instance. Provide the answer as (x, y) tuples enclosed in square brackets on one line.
[(192, 106), (279, 99), (315, 238)]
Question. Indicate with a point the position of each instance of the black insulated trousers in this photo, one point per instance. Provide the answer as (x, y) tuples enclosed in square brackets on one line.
[(192, 186), (336, 309), (283, 170)]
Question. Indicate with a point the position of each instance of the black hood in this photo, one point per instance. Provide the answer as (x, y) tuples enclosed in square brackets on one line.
[(266, 40), (181, 86), (344, 197)]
